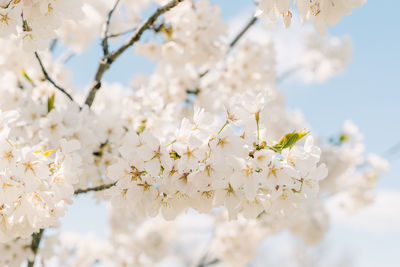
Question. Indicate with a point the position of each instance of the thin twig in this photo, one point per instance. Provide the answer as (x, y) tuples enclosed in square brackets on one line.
[(107, 28), (36, 238), (249, 24), (106, 61), (46, 75), (114, 35), (53, 44), (94, 189)]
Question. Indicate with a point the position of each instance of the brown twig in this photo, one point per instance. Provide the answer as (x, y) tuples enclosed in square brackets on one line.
[(114, 35), (107, 28), (249, 24), (94, 189), (36, 238), (106, 61), (48, 78)]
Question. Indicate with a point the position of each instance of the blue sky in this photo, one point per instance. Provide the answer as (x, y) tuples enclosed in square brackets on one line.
[(367, 92)]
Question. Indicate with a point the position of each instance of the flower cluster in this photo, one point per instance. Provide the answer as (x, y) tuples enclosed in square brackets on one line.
[(35, 21), (207, 132), (15, 252), (351, 173), (320, 12), (36, 186), (192, 33), (204, 167)]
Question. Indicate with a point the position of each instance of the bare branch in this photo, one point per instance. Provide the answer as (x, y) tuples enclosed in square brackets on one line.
[(106, 29), (114, 35), (249, 24), (145, 25), (46, 75), (36, 238), (94, 189), (106, 61)]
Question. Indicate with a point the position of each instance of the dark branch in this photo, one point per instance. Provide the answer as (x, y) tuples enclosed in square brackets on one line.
[(107, 28), (36, 238), (93, 189), (106, 61), (114, 35), (46, 75), (249, 24)]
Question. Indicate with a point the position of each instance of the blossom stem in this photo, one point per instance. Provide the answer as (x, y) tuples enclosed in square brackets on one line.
[(226, 123)]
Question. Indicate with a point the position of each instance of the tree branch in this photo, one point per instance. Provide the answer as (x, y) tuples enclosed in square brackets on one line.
[(106, 61), (114, 35), (48, 78), (94, 189), (249, 24), (36, 238), (107, 28)]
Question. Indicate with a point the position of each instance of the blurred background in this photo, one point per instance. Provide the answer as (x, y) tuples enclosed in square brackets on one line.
[(367, 93)]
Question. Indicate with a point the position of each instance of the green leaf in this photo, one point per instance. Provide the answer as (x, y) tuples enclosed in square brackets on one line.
[(141, 127), (26, 76), (50, 102), (289, 140)]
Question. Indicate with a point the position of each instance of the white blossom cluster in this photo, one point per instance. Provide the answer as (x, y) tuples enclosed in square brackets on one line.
[(320, 12), (207, 132), (204, 167), (14, 253), (36, 186), (35, 21), (130, 243), (352, 174), (192, 33), (324, 57)]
